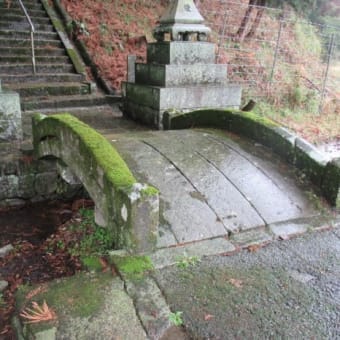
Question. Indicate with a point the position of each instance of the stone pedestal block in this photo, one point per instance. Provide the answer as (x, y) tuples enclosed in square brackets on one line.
[(180, 75), (10, 116), (148, 103), (181, 52)]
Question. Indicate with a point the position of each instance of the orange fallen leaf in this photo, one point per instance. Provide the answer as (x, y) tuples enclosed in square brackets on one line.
[(236, 283), (37, 314), (36, 291), (208, 317), (253, 248)]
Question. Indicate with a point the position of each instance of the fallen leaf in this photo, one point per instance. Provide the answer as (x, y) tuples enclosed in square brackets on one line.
[(208, 317), (254, 247), (38, 314), (236, 283), (36, 291)]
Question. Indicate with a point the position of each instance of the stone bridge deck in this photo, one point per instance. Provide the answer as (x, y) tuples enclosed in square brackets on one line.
[(213, 185)]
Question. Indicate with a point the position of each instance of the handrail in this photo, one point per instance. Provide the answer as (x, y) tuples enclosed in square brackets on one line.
[(32, 34)]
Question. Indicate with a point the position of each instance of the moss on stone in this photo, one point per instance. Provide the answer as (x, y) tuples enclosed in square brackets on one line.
[(92, 263), (75, 60), (115, 169), (133, 266), (79, 296), (149, 191)]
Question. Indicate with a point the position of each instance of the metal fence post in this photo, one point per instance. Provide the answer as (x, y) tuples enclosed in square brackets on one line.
[(222, 35), (278, 40), (323, 91)]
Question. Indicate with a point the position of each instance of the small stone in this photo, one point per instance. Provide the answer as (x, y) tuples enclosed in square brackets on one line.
[(3, 285), (5, 250), (301, 277)]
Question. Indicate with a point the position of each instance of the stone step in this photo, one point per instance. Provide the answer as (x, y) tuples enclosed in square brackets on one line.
[(38, 35), (21, 18), (41, 78), (24, 26), (39, 52), (48, 89), (41, 68), (14, 59), (58, 103), (33, 13), (41, 43), (13, 4)]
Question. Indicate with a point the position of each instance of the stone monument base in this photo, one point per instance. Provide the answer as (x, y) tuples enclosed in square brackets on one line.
[(147, 104)]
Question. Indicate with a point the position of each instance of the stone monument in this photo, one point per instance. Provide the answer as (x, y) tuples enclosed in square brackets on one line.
[(180, 74), (10, 116)]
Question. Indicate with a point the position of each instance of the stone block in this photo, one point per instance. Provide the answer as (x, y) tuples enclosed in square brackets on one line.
[(181, 52), (46, 183), (180, 98), (181, 75), (10, 116)]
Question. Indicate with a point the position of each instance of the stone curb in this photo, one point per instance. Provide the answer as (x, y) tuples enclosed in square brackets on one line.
[(69, 24), (320, 169)]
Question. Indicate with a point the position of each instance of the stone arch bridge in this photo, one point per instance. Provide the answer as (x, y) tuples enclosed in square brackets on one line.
[(211, 185)]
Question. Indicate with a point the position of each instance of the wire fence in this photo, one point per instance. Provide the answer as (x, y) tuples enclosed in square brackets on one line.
[(276, 56)]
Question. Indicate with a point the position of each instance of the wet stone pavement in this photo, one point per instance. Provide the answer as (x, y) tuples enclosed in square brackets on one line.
[(215, 187)]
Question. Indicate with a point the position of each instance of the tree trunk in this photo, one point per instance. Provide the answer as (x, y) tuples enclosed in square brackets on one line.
[(257, 20), (241, 33)]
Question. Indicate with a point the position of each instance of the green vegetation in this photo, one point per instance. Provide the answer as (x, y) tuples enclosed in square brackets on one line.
[(187, 261), (133, 267), (85, 240), (94, 240), (176, 318)]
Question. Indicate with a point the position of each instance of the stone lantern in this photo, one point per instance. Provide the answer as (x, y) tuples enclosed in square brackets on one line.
[(182, 20), (180, 74)]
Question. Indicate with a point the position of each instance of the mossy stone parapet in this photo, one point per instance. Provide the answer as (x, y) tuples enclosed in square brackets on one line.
[(318, 167), (310, 160), (128, 208), (331, 183)]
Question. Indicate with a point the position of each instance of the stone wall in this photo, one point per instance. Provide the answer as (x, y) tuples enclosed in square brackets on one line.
[(24, 180)]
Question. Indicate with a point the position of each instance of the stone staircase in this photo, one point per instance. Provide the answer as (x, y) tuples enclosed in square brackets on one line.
[(58, 83)]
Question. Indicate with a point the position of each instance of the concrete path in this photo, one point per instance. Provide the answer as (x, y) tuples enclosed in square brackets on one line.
[(288, 290)]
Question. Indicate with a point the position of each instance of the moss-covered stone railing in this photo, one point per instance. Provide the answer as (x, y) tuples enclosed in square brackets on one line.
[(128, 208), (318, 167)]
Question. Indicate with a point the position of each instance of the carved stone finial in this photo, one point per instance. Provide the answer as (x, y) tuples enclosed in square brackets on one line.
[(182, 20)]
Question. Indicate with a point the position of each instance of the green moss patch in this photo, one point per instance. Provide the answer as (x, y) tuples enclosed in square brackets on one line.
[(78, 296), (92, 263), (133, 266), (116, 170)]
